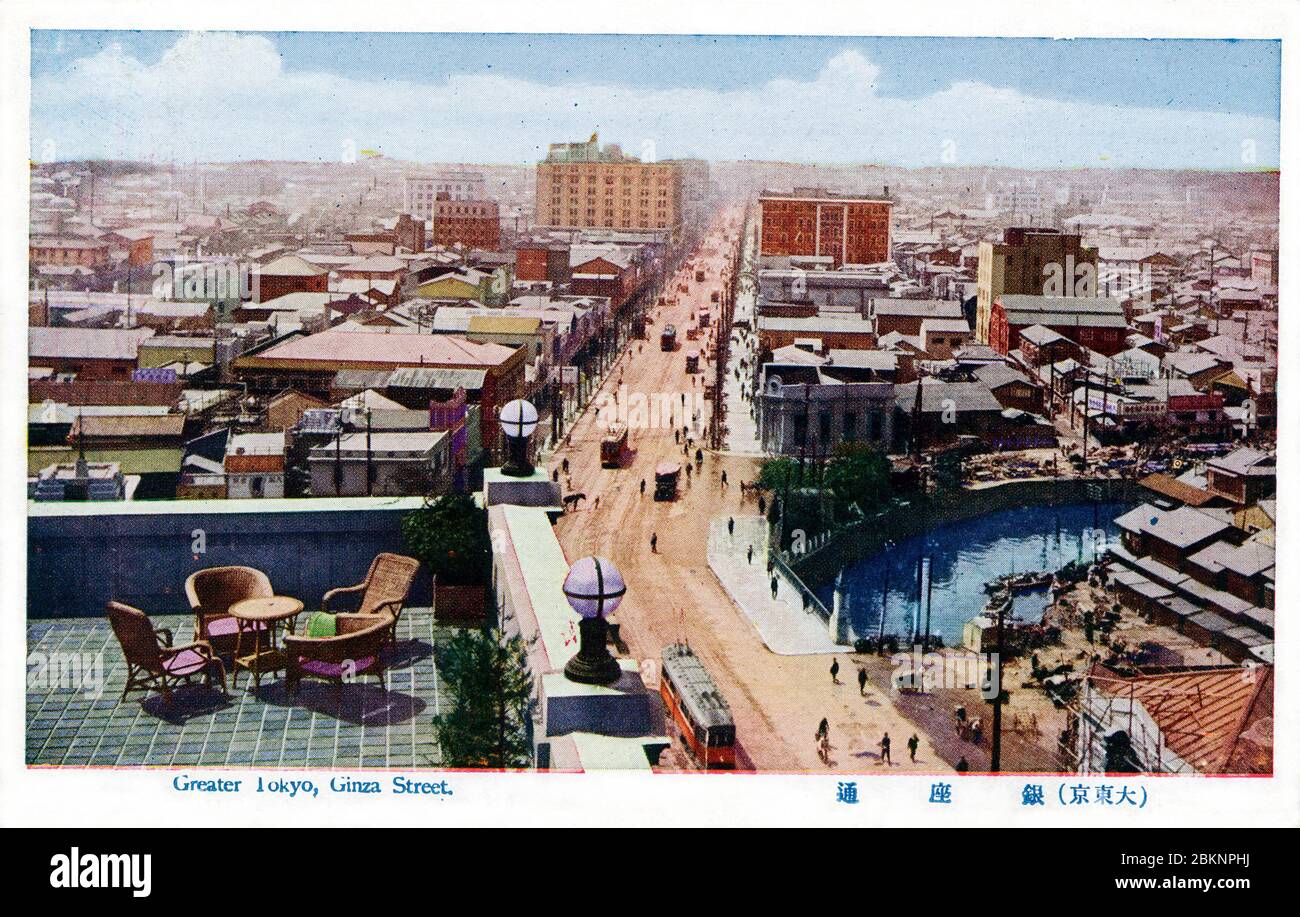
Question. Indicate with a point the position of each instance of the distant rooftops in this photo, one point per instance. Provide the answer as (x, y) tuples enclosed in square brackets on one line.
[(86, 343), (822, 194), (342, 347)]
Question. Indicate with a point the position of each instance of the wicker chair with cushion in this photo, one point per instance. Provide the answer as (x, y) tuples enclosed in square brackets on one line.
[(211, 593), (152, 661), (352, 652), (384, 589)]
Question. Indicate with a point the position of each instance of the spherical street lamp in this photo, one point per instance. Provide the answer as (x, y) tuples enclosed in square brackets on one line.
[(593, 588), (518, 421)]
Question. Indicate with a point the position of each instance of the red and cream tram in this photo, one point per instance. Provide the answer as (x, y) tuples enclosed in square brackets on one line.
[(700, 712)]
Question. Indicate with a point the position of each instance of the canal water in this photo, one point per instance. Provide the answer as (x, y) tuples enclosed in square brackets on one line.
[(961, 557)]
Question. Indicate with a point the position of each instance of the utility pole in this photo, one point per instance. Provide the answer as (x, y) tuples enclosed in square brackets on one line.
[(338, 457), (1087, 406), (995, 760), (929, 601), (370, 476)]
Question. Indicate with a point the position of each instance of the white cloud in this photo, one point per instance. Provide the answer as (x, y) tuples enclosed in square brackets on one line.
[(220, 96)]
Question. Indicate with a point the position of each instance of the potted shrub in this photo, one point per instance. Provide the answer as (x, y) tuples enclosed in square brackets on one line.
[(449, 535)]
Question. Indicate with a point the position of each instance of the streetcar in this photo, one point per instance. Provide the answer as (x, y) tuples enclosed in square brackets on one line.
[(700, 712), (613, 445)]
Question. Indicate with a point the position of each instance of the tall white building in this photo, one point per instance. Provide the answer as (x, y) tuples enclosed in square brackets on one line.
[(420, 191)]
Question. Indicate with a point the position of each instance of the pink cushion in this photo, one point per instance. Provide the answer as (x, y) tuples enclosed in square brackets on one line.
[(334, 669), (186, 662), (229, 627)]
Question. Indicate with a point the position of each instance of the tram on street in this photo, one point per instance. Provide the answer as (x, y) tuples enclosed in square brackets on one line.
[(700, 712)]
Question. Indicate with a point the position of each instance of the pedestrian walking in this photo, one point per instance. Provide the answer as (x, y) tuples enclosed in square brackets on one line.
[(654, 543), (762, 505), (884, 750), (677, 436), (564, 466), (724, 478), (862, 681), (749, 558), (912, 745), (823, 729), (835, 671), (731, 526), (643, 487), (775, 587), (596, 504)]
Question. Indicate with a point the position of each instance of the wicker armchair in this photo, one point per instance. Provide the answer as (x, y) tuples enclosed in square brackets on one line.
[(211, 593), (352, 652), (384, 589), (152, 661)]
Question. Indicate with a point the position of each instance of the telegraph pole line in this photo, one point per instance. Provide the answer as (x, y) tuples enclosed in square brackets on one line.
[(995, 759)]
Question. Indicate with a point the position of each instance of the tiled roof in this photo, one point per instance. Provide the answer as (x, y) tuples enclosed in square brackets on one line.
[(138, 425), (937, 396), (1175, 489), (1245, 461), (291, 266), (378, 348), (1201, 714), (86, 343), (1181, 527)]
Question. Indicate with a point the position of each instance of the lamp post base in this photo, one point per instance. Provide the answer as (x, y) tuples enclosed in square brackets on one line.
[(593, 665), (517, 466)]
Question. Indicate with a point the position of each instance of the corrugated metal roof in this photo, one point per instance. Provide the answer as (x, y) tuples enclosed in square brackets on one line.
[(434, 377)]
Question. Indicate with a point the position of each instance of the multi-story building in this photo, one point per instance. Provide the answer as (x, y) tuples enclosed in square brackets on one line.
[(849, 229), (806, 413), (382, 464), (420, 192), (472, 223), (542, 262), (61, 251), (1094, 322), (254, 466), (697, 188), (585, 186), (1021, 264)]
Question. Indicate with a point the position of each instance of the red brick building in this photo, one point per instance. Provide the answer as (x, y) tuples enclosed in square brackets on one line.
[(137, 243), (68, 250), (816, 222), (399, 232), (542, 261), (605, 276), (1096, 323), (474, 224)]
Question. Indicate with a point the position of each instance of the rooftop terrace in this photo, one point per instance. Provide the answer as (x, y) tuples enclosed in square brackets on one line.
[(364, 725)]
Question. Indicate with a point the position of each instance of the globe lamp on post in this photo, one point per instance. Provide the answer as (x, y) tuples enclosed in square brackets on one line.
[(593, 588), (518, 421)]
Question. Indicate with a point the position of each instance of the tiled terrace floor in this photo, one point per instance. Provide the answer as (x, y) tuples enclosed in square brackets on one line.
[(368, 726)]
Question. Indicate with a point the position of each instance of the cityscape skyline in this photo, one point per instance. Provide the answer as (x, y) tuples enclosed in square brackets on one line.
[(500, 98)]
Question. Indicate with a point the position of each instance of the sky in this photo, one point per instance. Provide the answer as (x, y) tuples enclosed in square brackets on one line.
[(502, 98)]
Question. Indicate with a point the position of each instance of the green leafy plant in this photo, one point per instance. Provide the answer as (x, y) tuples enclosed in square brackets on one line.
[(491, 687), (859, 474), (450, 535)]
